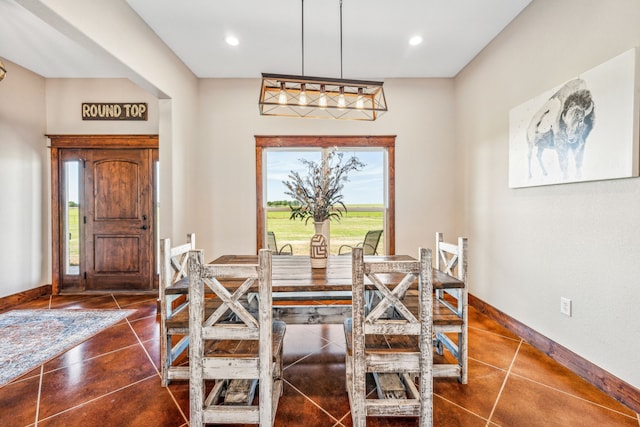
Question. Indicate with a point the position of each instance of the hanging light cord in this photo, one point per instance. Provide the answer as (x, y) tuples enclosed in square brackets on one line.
[(341, 39), (302, 1)]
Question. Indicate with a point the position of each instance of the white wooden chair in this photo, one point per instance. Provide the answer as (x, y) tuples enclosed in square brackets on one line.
[(174, 314), (450, 309), (233, 348), (390, 341)]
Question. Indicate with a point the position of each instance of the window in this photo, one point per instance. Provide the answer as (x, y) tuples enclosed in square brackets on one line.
[(369, 193), (71, 210)]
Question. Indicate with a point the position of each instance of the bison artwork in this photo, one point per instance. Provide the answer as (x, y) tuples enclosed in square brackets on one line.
[(563, 124)]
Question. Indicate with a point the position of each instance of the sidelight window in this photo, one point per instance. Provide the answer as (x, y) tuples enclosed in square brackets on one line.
[(71, 209)]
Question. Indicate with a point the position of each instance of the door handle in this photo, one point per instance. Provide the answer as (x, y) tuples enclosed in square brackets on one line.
[(144, 227)]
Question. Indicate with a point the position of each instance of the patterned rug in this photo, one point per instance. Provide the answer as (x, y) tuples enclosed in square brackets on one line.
[(29, 338)]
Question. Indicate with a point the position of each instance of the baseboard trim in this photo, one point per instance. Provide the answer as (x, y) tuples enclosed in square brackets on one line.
[(610, 384), (20, 297)]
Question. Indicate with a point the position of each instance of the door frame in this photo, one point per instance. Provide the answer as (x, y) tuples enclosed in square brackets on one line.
[(61, 142)]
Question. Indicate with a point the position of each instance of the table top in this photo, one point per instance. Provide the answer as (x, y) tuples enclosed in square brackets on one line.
[(294, 273)]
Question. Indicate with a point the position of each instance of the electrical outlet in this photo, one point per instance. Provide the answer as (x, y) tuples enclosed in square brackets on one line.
[(565, 306)]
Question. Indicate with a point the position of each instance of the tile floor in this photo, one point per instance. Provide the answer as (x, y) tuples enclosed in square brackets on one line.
[(112, 380)]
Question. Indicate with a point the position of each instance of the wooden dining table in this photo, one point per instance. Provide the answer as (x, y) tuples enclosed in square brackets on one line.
[(305, 295)]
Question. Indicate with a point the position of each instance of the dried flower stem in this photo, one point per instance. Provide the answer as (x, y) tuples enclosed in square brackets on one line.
[(318, 194)]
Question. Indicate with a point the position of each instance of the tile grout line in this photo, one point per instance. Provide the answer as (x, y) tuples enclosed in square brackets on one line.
[(306, 356), (184, 417), (504, 383), (87, 359), (461, 407), (39, 395), (340, 421), (91, 358), (37, 415), (138, 338), (113, 391), (311, 400), (80, 405), (566, 393), (497, 334)]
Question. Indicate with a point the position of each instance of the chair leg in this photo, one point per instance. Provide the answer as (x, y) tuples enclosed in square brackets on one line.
[(165, 360), (358, 407), (463, 353), (426, 400), (277, 373)]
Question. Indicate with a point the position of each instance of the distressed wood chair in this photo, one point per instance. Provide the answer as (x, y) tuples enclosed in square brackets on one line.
[(389, 341), (234, 348), (286, 249), (450, 309), (369, 244), (174, 314)]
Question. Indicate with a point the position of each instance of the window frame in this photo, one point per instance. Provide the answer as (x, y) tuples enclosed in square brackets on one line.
[(344, 142)]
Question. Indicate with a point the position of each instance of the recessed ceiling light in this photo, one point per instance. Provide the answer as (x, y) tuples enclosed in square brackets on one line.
[(232, 41), (415, 40)]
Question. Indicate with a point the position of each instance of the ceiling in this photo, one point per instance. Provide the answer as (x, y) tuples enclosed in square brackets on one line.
[(375, 37)]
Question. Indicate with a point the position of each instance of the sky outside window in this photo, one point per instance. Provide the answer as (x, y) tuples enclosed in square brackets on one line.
[(364, 187)]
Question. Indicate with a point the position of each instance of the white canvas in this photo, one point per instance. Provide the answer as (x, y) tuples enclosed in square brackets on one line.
[(608, 106)]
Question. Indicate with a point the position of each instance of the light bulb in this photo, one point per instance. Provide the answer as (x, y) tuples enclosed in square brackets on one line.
[(360, 101), (415, 40), (303, 94), (282, 98), (323, 98), (341, 101), (232, 41)]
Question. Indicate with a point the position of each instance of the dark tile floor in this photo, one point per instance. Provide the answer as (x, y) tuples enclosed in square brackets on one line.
[(112, 380)]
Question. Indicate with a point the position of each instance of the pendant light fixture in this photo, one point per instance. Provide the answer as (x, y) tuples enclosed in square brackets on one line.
[(320, 97)]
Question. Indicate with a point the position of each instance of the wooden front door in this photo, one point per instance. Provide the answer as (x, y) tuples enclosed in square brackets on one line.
[(118, 231), (111, 210)]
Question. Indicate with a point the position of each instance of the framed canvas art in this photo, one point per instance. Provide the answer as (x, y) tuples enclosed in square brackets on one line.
[(585, 129)]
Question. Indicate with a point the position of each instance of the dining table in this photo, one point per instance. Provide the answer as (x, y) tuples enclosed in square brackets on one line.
[(306, 295)]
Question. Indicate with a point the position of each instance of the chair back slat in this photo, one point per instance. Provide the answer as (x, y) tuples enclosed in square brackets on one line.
[(451, 258)]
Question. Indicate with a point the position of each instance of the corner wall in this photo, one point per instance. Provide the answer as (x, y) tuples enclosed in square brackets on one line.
[(24, 183), (530, 246)]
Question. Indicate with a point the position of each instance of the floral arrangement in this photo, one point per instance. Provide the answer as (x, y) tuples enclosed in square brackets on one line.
[(318, 195)]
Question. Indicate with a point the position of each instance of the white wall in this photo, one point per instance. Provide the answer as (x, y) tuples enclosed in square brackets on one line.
[(24, 186), (531, 246), (65, 97), (420, 114)]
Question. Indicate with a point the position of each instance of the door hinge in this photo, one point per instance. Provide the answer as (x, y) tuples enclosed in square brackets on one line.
[(85, 275), (84, 163), (84, 220)]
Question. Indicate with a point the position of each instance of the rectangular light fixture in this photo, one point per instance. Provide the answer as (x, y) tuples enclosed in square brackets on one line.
[(302, 96)]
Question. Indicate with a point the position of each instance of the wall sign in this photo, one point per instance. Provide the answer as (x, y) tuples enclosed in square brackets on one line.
[(114, 111)]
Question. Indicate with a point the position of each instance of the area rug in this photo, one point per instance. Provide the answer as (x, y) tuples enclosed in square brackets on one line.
[(29, 338)]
